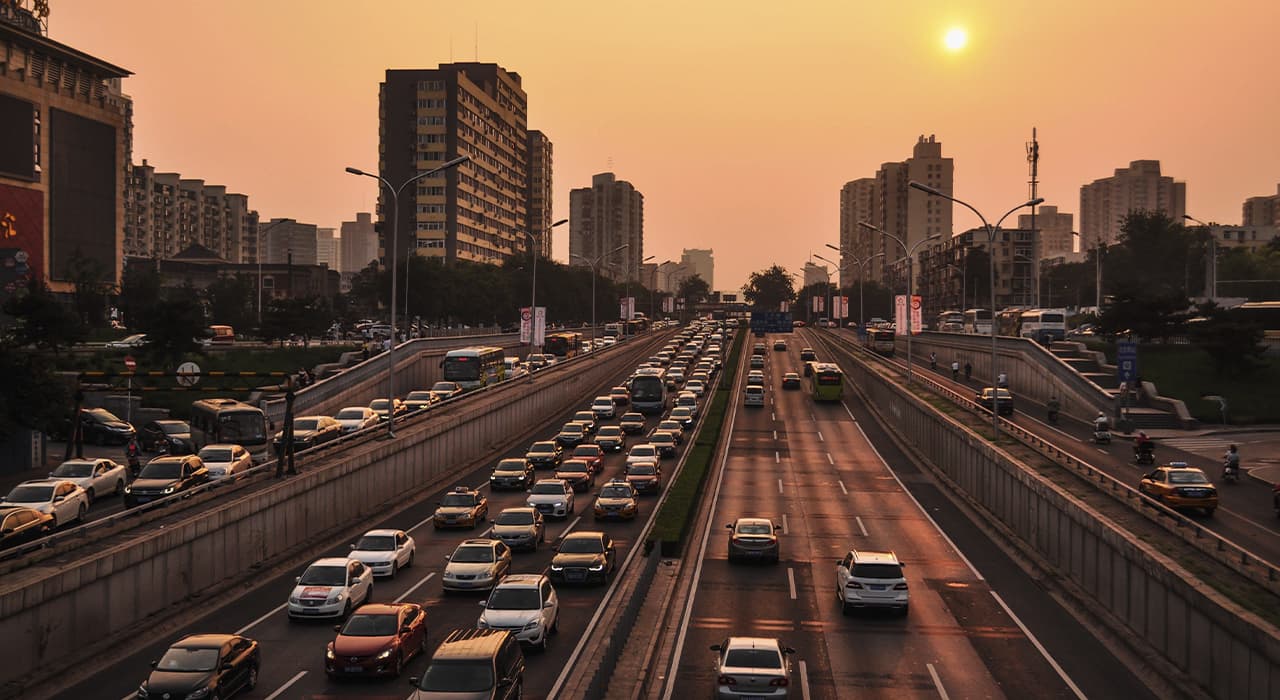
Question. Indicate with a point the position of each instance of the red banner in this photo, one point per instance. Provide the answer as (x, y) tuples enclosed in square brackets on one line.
[(21, 238)]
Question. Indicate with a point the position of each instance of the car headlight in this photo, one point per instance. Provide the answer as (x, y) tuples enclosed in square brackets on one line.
[(559, 504), (384, 655), (198, 693), (557, 568), (328, 654), (128, 489), (169, 490), (532, 625), (481, 624), (294, 599), (448, 574), (335, 597), (142, 691), (598, 567)]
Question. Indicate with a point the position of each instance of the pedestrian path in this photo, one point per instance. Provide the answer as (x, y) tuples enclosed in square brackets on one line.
[(1204, 445)]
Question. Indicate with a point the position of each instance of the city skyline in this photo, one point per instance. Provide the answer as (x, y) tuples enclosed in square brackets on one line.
[(689, 135)]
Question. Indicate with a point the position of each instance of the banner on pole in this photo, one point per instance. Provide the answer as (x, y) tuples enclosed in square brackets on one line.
[(668, 305), (540, 325), (844, 307), (526, 325)]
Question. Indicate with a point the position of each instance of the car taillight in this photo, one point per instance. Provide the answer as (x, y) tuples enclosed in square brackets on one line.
[(736, 540), (900, 587), (779, 682), (853, 584), (727, 680)]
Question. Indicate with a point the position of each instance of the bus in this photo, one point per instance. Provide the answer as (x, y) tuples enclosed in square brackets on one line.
[(950, 322), (229, 421), (637, 325), (563, 345), (977, 321), (1043, 325), (879, 340), (1009, 322), (475, 367), (828, 382), (649, 391)]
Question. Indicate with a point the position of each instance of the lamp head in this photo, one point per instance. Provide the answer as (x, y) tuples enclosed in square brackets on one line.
[(838, 250), (925, 188), (867, 226), (354, 171), (560, 223), (1035, 202)]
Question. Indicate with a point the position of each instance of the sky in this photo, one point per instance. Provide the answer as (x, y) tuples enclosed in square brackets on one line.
[(738, 120)]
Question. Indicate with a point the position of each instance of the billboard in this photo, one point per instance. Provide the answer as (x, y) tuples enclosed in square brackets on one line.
[(900, 314), (21, 239), (84, 193), (19, 149)]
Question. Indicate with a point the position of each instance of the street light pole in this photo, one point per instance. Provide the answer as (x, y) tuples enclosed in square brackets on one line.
[(1210, 289), (911, 281), (533, 295), (862, 274), (831, 310), (261, 236), (991, 258), (395, 239), (627, 295), (595, 263), (667, 275)]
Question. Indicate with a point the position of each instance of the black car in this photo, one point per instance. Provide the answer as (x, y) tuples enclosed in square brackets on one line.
[(174, 435), (204, 665), (610, 438), (544, 454), (512, 473), (572, 434), (309, 431), (100, 427), (165, 476), (1003, 400), (583, 556), (19, 524)]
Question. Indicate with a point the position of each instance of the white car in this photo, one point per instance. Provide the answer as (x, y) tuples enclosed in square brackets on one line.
[(525, 604), (695, 387), (476, 564), (752, 667), (551, 497), (608, 341), (136, 340), (384, 551), (871, 580), (642, 453), (225, 459), (331, 587), (60, 498), (98, 477), (353, 418), (602, 406)]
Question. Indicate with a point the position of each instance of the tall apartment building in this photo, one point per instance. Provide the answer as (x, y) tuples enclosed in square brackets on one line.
[(859, 201), (359, 243), (538, 194), (816, 274), (669, 276), (602, 218), (1140, 187), (328, 249), (1262, 211), (66, 138), (290, 242), (942, 282), (700, 262), (479, 210), (166, 213), (1055, 227)]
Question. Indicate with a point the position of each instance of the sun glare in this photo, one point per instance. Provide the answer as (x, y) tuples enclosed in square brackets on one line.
[(956, 39)]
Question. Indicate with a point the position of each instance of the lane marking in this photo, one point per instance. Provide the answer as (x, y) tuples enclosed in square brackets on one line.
[(775, 435), (773, 415), (425, 520), (813, 417), (1039, 647), (831, 459), (1102, 451), (861, 527), (820, 438), (269, 613), (842, 488), (567, 529), (777, 458), (785, 531), (486, 532), (791, 582), (285, 687), (846, 410), (779, 485), (484, 485), (804, 681), (426, 578), (937, 682)]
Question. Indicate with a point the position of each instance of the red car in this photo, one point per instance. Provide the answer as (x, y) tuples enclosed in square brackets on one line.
[(377, 640), (592, 455)]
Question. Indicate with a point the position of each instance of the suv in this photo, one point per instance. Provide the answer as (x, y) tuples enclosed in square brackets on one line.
[(473, 664), (164, 476), (808, 355), (779, 345), (758, 349), (871, 580), (753, 396), (524, 604)]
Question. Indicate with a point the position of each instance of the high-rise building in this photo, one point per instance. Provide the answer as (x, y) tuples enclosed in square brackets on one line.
[(166, 213), (66, 141), (1140, 187), (602, 218), (478, 210), (359, 243), (649, 275), (816, 274), (700, 262), (858, 202), (1055, 227), (942, 282), (328, 249), (670, 275), (290, 242), (538, 195), (1262, 211)]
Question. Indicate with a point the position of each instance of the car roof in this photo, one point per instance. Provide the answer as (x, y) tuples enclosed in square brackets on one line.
[(865, 557), (220, 444), (583, 535), (752, 643), (755, 521), (203, 641), (46, 482), (517, 509), (330, 561), (521, 581), (385, 532), (559, 482), (382, 608), (478, 542)]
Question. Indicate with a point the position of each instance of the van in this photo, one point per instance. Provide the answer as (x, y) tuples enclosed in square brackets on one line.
[(754, 396), (473, 664), (221, 335)]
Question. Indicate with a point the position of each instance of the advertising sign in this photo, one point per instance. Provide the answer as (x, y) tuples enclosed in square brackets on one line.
[(917, 320), (843, 307), (526, 324), (900, 314), (540, 325), (627, 309), (817, 304), (21, 239)]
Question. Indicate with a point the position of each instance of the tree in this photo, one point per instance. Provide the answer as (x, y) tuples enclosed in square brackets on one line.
[(31, 395), (89, 277), (42, 320), (693, 289), (1234, 346), (768, 289), (1148, 274), (231, 301), (174, 324), (139, 293)]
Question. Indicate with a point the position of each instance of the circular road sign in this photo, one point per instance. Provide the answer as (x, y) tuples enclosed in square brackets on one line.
[(129, 362), (188, 373), (524, 314)]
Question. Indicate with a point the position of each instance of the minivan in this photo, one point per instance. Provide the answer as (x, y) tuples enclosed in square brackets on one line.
[(473, 664)]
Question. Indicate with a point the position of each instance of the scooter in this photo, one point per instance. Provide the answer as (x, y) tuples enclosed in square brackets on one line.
[(1102, 437), (1053, 417), (1230, 472), (1144, 456)]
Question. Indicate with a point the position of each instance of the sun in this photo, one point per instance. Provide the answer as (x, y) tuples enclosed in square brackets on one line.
[(956, 39)]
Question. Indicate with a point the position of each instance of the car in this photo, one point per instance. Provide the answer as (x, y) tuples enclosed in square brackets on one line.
[(310, 431), (752, 667), (224, 460), (790, 380), (779, 345), (443, 391), (461, 507), (620, 395), (129, 342), (577, 473), (21, 524), (417, 400), (608, 341), (101, 427), (331, 587), (593, 455), (512, 473), (353, 418), (672, 426), (665, 441), (582, 556), (377, 640), (644, 476), (631, 423), (617, 500), (476, 564), (525, 604), (1178, 485), (808, 355), (758, 349), (572, 433), (165, 476), (544, 453), (1004, 400), (753, 396), (551, 497), (643, 452), (689, 400), (204, 666), (473, 663), (675, 376), (520, 528), (755, 378), (603, 407), (684, 415), (611, 438), (697, 387), (174, 435), (385, 552), (587, 419), (757, 362), (753, 539), (98, 477), (379, 407)]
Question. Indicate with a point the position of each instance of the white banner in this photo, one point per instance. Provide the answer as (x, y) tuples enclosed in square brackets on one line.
[(540, 325), (916, 315), (668, 305), (818, 304), (627, 309), (844, 307), (784, 306), (526, 324)]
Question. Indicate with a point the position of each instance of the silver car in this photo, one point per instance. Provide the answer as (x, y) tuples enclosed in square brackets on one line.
[(752, 667)]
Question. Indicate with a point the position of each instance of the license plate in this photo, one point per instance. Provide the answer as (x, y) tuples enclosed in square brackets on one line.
[(575, 576), (354, 669), (878, 587), (142, 499)]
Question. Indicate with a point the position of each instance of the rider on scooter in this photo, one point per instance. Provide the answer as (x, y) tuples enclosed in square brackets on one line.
[(1231, 463)]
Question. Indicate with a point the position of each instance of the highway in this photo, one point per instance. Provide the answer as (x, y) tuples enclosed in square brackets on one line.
[(978, 625)]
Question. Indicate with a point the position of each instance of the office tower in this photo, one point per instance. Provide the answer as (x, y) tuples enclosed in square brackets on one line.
[(700, 262), (858, 202), (290, 242), (602, 218), (538, 194), (328, 249), (359, 243), (1140, 187)]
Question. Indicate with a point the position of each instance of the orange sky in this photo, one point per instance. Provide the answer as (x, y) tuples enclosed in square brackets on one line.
[(738, 120)]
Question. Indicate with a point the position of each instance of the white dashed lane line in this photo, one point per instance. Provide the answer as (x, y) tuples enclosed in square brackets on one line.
[(286, 686), (842, 488), (861, 527)]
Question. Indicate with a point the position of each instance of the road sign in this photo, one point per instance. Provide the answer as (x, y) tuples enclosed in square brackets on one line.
[(771, 321), (1126, 361), (188, 373), (129, 362), (526, 325)]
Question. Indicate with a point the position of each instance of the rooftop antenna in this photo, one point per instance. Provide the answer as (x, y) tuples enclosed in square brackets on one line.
[(1033, 164)]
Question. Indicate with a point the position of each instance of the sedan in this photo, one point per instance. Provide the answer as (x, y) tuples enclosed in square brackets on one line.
[(353, 418), (790, 380), (620, 395), (59, 498), (331, 587), (587, 419), (379, 406), (683, 415), (385, 552), (173, 435), (665, 441), (98, 477), (165, 476), (552, 497), (582, 556), (1003, 400), (443, 391), (377, 640), (697, 386), (545, 453), (753, 539), (611, 438), (204, 666), (571, 434), (130, 342), (752, 666), (100, 426), (310, 431), (225, 460), (1177, 485), (417, 400), (476, 564), (512, 473), (520, 528), (577, 473), (632, 423), (19, 524), (673, 427)]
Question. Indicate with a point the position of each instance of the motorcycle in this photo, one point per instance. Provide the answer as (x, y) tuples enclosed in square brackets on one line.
[(135, 465), (1102, 436), (1230, 473), (1144, 455)]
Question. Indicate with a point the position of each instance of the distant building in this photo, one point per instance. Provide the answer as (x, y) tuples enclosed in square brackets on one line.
[(538, 192), (1055, 230), (290, 241), (670, 275), (649, 275), (1262, 211), (816, 274), (602, 218), (943, 285), (1140, 187), (200, 267), (166, 213), (1249, 237), (700, 262), (859, 201), (359, 243), (328, 249)]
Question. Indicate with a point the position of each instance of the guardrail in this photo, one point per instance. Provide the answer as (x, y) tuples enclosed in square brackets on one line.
[(1252, 566)]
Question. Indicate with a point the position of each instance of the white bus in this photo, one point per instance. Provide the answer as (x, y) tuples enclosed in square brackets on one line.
[(950, 322), (977, 321), (473, 368), (649, 391), (229, 421), (1044, 325)]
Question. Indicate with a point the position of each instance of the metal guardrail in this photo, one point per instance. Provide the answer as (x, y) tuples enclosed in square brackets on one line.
[(1254, 567)]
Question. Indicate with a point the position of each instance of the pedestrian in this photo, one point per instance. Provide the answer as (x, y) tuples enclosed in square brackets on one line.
[(968, 370), (1002, 381), (364, 350), (933, 361), (955, 369)]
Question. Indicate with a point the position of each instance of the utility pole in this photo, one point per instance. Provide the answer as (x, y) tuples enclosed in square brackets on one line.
[(1033, 162)]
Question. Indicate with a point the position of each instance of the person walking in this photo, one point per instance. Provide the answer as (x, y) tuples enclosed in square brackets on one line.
[(955, 370), (933, 361), (968, 371)]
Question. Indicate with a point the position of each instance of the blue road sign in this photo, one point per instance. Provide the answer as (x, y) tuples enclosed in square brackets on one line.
[(771, 321), (1126, 361)]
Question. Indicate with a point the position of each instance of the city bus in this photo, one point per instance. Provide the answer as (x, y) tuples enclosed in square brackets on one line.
[(827, 383), (1043, 325), (879, 340), (475, 367), (977, 321), (1009, 322), (649, 391), (216, 421), (950, 322), (563, 345)]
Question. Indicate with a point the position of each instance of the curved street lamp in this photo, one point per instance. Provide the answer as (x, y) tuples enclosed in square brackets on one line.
[(533, 296), (862, 274), (911, 282), (595, 263)]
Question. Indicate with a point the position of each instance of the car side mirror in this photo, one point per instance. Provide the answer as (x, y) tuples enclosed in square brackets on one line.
[(297, 579), (227, 666), (482, 603), (59, 499), (51, 475), (413, 681), (788, 650), (337, 628), (549, 604), (728, 527), (446, 557), (715, 647)]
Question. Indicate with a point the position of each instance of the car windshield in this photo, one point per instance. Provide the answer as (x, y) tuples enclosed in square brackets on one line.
[(668, 425), (610, 431), (518, 517), (444, 386), (215, 454), (884, 571), (472, 555), (101, 414), (643, 468), (457, 677), (632, 418), (376, 543), (661, 437), (615, 492), (188, 660), (582, 545), (418, 396), (161, 470), (571, 428), (1187, 477), (574, 466), (587, 416), (642, 451), (73, 469), (605, 402), (30, 494), (378, 404), (350, 414), (755, 529), (510, 465), (458, 499), (548, 489), (324, 576), (541, 448), (752, 658), (370, 626), (306, 424), (514, 599)]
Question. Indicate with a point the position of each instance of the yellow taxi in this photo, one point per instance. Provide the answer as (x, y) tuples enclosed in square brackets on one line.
[(1177, 485), (616, 500), (461, 507)]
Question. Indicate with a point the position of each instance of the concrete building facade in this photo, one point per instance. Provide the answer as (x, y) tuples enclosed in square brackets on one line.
[(944, 283), (602, 218), (700, 262), (859, 201), (1055, 227), (1262, 211), (1250, 237), (1140, 187), (328, 249), (538, 193), (359, 243), (816, 274), (290, 238), (165, 213)]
